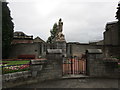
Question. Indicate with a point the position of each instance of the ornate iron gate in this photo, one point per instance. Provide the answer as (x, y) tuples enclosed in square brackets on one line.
[(74, 65)]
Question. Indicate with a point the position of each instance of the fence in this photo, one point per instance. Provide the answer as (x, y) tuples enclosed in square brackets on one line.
[(74, 66)]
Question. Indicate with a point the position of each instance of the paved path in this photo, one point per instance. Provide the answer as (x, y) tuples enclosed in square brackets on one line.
[(75, 83), (74, 76)]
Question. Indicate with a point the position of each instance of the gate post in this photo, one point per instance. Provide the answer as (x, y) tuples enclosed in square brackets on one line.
[(55, 60), (93, 58), (71, 65)]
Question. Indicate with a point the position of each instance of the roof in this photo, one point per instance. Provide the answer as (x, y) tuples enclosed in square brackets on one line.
[(94, 51), (38, 39), (21, 35), (101, 42), (54, 50), (3, 0), (114, 22), (78, 43)]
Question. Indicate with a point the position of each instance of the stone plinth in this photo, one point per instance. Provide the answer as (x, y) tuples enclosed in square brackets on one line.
[(61, 45)]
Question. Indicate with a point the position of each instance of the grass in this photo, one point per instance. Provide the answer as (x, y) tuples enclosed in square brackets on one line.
[(16, 62)]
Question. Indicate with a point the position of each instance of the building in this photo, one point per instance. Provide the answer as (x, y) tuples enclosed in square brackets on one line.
[(111, 34), (112, 40), (20, 37), (24, 46)]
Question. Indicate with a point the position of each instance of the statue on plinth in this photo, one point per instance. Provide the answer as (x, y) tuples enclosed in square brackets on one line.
[(59, 35)]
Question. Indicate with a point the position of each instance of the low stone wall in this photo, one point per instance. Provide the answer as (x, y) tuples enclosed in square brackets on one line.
[(99, 67), (15, 79), (40, 70), (24, 77), (16, 75)]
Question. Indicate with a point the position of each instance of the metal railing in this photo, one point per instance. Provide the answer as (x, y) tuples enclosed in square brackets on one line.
[(74, 66)]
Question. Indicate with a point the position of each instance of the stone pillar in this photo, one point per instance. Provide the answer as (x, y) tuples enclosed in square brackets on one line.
[(36, 67), (93, 57), (54, 65)]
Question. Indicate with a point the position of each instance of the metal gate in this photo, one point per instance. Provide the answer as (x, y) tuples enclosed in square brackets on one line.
[(74, 65)]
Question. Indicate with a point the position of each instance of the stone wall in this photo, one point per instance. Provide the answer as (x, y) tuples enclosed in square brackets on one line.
[(112, 51), (53, 68), (77, 49), (99, 67), (16, 75), (36, 49), (24, 77), (40, 70)]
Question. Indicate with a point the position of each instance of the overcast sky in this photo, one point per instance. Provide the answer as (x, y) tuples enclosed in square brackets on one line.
[(83, 21)]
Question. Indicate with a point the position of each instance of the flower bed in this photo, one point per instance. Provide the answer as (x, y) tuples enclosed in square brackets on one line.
[(14, 66)]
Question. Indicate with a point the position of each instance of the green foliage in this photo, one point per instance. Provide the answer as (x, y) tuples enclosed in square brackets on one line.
[(118, 17), (118, 12), (49, 40), (16, 62), (7, 30), (53, 32), (118, 66)]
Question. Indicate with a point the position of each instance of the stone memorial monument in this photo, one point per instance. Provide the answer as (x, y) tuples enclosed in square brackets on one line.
[(59, 35), (59, 39)]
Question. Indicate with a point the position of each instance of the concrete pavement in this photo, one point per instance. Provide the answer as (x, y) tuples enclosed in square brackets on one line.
[(75, 83)]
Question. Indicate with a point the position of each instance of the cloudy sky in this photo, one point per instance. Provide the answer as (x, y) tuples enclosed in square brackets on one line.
[(83, 20)]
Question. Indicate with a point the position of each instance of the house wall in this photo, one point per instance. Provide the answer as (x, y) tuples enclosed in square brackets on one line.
[(111, 34), (37, 49), (111, 40)]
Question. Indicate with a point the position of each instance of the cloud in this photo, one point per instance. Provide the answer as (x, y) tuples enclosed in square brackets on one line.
[(83, 21)]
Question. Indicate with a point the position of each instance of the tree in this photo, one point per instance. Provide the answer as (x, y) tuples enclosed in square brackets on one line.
[(7, 30), (118, 17), (118, 12), (53, 32)]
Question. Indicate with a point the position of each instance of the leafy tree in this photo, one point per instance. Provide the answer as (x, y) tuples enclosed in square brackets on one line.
[(118, 12), (118, 17), (53, 32), (7, 30)]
